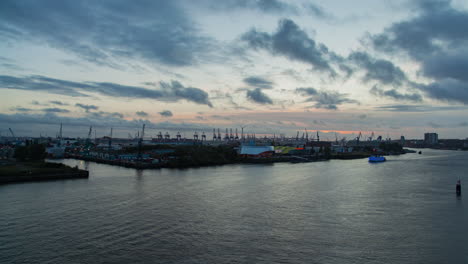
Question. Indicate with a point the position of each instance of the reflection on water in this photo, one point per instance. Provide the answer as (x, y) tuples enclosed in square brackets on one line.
[(404, 210)]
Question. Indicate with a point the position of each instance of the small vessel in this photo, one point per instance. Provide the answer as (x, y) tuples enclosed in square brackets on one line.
[(377, 159), (420, 152), (458, 187)]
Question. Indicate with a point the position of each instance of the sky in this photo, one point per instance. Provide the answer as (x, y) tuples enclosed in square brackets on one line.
[(271, 66)]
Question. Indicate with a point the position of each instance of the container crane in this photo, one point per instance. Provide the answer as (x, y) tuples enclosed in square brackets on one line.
[(140, 142), (11, 132), (110, 139), (358, 137)]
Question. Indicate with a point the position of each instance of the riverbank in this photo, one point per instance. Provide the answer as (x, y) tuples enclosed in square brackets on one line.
[(187, 163), (13, 171)]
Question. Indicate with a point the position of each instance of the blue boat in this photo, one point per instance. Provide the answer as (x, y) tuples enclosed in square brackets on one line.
[(377, 159)]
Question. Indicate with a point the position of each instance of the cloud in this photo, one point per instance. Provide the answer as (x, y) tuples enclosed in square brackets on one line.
[(452, 64), (168, 91), (58, 103), (436, 27), (49, 121), (117, 115), (258, 96), (271, 7), (141, 114), (434, 125), (393, 93), (380, 70), (258, 82), (41, 83), (104, 32), (102, 114), (34, 102), (450, 90), (325, 99), (436, 38), (418, 108), (55, 110), (307, 91), (178, 91), (292, 42), (166, 113), (87, 107), (20, 109), (221, 117)]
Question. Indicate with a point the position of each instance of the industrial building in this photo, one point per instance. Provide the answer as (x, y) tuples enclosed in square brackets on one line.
[(431, 138)]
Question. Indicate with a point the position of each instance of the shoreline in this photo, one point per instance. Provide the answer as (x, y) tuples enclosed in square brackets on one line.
[(17, 172), (290, 159)]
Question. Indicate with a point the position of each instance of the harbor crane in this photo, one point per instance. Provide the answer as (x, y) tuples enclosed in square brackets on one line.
[(318, 137), (11, 132), (140, 142), (88, 139), (60, 136), (358, 137), (110, 139), (203, 136), (242, 133)]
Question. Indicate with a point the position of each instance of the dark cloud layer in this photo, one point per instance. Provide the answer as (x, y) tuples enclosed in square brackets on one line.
[(20, 109), (87, 107), (58, 103), (418, 108), (258, 96), (393, 93), (436, 37), (103, 31), (436, 27), (450, 90), (325, 99), (380, 70), (292, 42), (168, 91), (141, 114), (55, 110), (166, 113), (271, 7), (258, 82)]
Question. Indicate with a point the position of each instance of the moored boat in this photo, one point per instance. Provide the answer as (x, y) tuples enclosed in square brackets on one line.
[(377, 159)]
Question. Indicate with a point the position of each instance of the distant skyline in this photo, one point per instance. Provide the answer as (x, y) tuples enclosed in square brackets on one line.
[(275, 67)]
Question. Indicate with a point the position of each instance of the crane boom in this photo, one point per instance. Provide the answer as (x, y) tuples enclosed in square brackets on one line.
[(90, 131), (11, 131)]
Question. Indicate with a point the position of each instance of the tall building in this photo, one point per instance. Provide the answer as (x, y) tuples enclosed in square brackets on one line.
[(431, 138)]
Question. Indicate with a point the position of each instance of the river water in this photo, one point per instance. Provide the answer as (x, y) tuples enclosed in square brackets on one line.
[(402, 211)]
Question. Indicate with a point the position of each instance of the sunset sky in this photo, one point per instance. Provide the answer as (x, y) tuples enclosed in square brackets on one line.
[(392, 67)]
